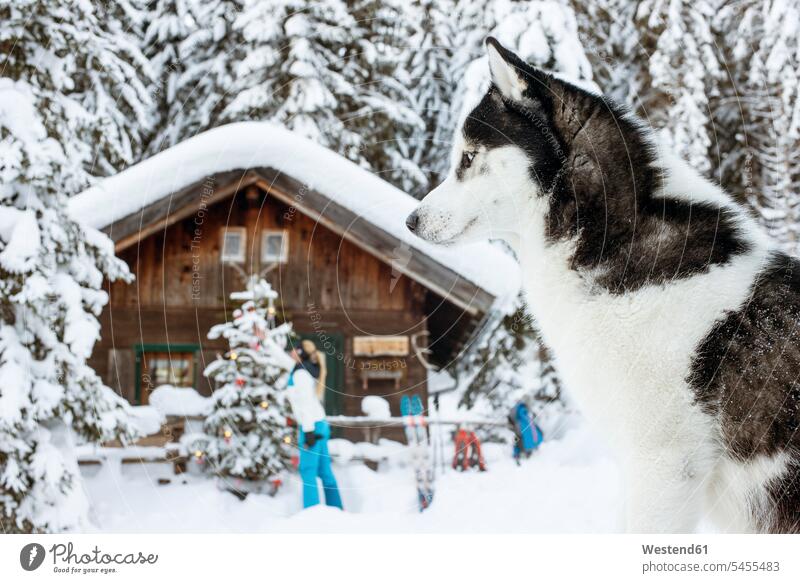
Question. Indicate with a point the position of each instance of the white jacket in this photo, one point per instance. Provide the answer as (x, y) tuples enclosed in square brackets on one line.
[(302, 397)]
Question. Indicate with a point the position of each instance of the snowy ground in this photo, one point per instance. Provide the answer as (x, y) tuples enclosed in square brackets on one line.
[(570, 485)]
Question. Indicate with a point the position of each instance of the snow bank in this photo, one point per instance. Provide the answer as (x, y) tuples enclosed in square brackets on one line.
[(342, 450), (569, 485), (92, 452), (375, 407), (440, 381), (263, 144), (384, 450), (179, 401), (148, 419)]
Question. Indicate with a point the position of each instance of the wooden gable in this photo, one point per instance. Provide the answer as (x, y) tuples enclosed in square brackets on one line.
[(180, 265), (301, 200)]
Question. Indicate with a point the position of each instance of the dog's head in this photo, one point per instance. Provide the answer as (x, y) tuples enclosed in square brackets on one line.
[(534, 148)]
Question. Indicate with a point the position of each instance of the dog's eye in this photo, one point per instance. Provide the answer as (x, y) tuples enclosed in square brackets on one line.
[(466, 159)]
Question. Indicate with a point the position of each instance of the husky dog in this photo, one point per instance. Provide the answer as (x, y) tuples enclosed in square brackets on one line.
[(673, 322)]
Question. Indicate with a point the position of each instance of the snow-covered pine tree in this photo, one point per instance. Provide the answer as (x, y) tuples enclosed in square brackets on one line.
[(51, 267), (722, 80), (95, 64), (168, 23), (731, 164), (510, 349), (210, 56), (659, 57), (246, 435), (611, 40), (545, 34), (292, 70), (260, 26), (683, 71), (432, 88), (333, 71), (307, 103), (113, 82), (759, 113), (510, 365), (381, 109), (473, 20)]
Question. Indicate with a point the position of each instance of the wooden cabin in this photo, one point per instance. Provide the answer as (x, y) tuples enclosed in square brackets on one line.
[(328, 236)]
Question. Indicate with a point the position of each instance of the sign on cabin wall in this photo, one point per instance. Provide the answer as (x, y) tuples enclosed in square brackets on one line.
[(380, 345), (382, 370)]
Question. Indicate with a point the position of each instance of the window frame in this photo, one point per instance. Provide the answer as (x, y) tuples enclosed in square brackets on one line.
[(140, 349), (284, 257), (239, 257)]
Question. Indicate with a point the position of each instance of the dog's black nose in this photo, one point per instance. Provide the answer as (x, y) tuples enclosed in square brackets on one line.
[(412, 221)]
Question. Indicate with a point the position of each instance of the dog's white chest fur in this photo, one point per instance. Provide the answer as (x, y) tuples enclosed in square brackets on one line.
[(626, 359)]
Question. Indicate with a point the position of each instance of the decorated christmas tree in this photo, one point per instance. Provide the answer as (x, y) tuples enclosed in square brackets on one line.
[(246, 434)]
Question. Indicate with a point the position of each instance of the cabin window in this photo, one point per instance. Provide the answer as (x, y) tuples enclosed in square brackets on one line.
[(274, 246), (234, 240), (158, 365)]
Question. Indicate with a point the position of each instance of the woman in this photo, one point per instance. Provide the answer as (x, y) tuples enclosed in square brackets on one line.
[(312, 439), (312, 360)]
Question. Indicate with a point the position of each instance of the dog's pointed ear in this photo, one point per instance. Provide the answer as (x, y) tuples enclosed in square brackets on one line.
[(506, 69)]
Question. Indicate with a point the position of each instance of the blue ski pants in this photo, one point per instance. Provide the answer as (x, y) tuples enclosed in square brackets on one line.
[(315, 462)]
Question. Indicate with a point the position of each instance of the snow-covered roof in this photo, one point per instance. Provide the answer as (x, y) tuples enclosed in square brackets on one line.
[(248, 145)]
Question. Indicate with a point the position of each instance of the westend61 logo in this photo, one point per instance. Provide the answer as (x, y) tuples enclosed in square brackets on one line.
[(67, 560)]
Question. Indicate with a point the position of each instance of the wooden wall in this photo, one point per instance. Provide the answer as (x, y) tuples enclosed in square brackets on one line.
[(323, 269), (329, 286)]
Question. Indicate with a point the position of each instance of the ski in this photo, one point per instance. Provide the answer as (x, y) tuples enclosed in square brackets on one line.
[(423, 441), (416, 435)]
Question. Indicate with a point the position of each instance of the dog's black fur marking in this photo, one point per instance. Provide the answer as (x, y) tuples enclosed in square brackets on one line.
[(495, 123), (626, 234), (746, 374), (746, 369)]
